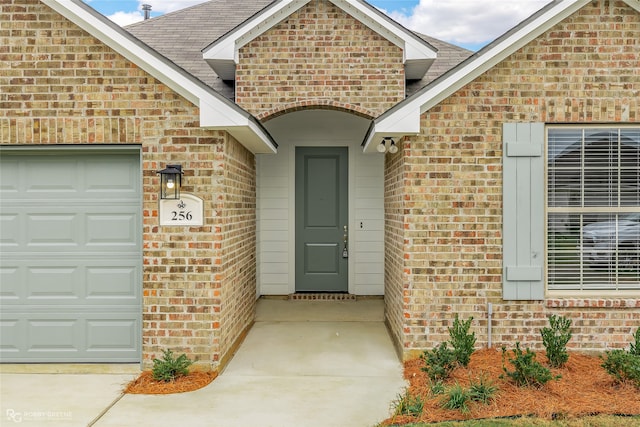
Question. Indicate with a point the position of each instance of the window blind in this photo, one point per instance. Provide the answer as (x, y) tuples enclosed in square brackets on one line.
[(593, 208)]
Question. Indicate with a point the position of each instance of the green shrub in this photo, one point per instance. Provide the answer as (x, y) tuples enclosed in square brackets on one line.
[(527, 371), (623, 366), (483, 390), (635, 346), (462, 341), (555, 339), (406, 404), (456, 397), (169, 367), (439, 362)]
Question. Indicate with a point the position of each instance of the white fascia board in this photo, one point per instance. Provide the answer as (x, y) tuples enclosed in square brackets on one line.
[(408, 112), (238, 123), (634, 4), (226, 48), (211, 105), (498, 52), (405, 118), (128, 47), (395, 126), (252, 139), (412, 46)]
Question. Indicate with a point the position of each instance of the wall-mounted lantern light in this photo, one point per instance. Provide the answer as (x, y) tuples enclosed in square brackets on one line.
[(382, 147), (170, 182)]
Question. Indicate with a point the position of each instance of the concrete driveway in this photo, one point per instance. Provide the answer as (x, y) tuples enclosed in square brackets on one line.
[(304, 363)]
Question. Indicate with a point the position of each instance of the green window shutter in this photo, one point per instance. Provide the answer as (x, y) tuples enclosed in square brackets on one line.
[(523, 211)]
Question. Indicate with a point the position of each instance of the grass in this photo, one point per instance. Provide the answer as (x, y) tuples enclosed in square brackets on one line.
[(596, 421)]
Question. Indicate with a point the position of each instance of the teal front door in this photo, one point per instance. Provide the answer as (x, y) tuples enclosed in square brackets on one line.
[(321, 219)]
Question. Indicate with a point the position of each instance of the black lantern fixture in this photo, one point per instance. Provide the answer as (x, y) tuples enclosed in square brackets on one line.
[(170, 181)]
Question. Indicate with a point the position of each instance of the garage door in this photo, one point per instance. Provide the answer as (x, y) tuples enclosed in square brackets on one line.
[(70, 255)]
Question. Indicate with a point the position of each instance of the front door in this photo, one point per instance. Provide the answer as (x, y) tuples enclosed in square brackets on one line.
[(321, 219)]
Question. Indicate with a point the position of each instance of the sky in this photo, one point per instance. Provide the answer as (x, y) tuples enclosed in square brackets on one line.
[(467, 23)]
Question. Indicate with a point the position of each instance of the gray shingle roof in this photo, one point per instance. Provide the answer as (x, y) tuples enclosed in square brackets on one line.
[(180, 36), (449, 56)]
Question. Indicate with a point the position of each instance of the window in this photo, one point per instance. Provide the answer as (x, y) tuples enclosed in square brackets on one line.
[(593, 208)]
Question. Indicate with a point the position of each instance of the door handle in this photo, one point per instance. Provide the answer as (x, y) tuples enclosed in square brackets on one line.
[(345, 249)]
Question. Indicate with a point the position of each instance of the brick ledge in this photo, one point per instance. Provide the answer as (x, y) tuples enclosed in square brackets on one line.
[(593, 303)]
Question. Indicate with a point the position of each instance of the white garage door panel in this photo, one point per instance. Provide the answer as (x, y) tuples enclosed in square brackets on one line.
[(70, 255)]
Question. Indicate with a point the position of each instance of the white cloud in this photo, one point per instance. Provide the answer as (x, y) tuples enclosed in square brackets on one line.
[(467, 21), (126, 18), (462, 22)]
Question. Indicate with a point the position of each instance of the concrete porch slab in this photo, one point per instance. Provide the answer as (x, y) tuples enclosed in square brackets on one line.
[(304, 363)]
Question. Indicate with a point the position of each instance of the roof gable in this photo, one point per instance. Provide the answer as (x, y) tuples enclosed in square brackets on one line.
[(216, 111), (404, 118), (222, 55)]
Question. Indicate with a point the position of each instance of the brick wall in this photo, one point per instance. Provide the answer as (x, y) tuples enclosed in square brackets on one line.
[(584, 70), (396, 285), (238, 231), (59, 85), (319, 56)]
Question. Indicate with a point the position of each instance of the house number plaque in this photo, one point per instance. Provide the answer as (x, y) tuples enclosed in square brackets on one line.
[(186, 211)]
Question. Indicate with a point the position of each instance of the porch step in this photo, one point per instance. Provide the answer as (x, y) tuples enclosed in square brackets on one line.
[(289, 310), (322, 297)]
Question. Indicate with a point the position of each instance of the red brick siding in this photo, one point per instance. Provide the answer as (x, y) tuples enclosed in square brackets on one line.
[(239, 254), (396, 285), (584, 70), (322, 56)]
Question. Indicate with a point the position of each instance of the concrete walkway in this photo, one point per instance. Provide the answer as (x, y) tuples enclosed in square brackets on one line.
[(304, 363)]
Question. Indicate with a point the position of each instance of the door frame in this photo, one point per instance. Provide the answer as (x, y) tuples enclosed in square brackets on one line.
[(350, 211)]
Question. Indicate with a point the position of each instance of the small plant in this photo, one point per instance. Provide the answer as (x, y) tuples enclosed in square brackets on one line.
[(439, 362), (555, 339), (436, 388), (635, 346), (406, 404), (169, 367), (527, 371), (623, 366), (482, 391), (461, 340), (456, 397)]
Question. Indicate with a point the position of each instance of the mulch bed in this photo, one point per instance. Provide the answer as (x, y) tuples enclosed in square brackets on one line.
[(145, 384), (584, 389)]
